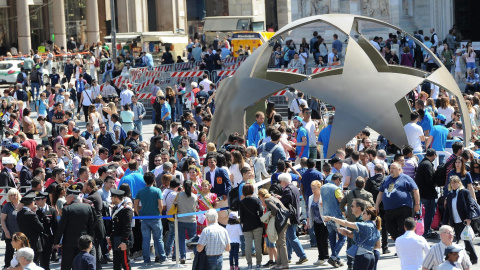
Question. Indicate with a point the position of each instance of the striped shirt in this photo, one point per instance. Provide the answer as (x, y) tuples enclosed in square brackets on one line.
[(436, 256), (215, 239)]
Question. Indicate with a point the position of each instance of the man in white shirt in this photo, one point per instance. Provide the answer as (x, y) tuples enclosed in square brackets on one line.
[(101, 158), (331, 55), (295, 106), (126, 96), (411, 247), (375, 43), (206, 82), (414, 133), (91, 65)]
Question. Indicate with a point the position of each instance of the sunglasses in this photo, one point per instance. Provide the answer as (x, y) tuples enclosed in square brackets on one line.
[(158, 160), (476, 167), (102, 127)]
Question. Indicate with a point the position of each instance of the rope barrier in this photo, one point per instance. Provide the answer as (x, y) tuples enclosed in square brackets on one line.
[(171, 216)]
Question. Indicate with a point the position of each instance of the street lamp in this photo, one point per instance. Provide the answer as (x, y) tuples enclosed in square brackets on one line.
[(113, 31)]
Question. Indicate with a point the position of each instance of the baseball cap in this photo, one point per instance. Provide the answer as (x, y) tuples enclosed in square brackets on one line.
[(441, 117), (127, 62), (76, 129), (233, 215), (451, 249), (298, 118), (14, 146)]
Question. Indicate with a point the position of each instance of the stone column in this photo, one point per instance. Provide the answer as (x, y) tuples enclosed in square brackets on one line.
[(93, 28), (24, 40), (284, 13), (58, 18), (122, 16)]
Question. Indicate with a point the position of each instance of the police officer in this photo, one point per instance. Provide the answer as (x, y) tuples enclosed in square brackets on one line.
[(48, 217), (119, 239), (77, 220), (30, 225)]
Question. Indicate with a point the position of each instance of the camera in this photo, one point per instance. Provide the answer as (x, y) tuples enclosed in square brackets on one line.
[(111, 98)]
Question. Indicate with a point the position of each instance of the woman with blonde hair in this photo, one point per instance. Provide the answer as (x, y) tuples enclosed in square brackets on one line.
[(431, 107), (458, 211), (273, 205), (9, 223), (471, 110), (94, 117), (258, 164), (110, 109), (195, 176), (315, 221)]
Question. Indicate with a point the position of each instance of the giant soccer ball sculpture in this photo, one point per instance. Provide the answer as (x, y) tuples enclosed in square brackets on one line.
[(366, 91)]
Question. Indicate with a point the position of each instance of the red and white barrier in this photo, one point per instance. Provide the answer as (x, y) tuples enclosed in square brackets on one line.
[(292, 70), (280, 93), (143, 85), (3, 196), (318, 70), (229, 61), (222, 73), (184, 74), (142, 96), (184, 66)]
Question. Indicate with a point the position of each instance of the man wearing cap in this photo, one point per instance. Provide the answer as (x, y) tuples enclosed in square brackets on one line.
[(436, 256), (256, 132), (77, 219), (132, 142), (302, 144), (438, 136), (7, 177), (120, 238), (30, 225), (424, 178), (109, 67), (451, 258), (126, 96), (48, 217)]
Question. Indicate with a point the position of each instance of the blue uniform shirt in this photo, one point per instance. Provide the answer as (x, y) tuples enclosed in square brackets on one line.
[(427, 122), (324, 137), (439, 134), (302, 151), (166, 109)]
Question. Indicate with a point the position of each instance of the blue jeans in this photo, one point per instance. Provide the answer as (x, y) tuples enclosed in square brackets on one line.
[(138, 125), (293, 244), (335, 245), (153, 116), (233, 257), (364, 262), (105, 75), (170, 238), (178, 108), (430, 208), (215, 262), (152, 227), (191, 229), (34, 86), (349, 244)]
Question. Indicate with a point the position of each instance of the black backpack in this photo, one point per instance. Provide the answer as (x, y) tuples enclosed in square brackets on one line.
[(440, 176), (275, 188), (20, 78), (234, 197)]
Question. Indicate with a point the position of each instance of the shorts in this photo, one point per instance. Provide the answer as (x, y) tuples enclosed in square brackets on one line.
[(290, 114), (269, 244)]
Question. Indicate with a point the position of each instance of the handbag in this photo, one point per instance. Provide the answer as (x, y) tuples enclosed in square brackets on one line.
[(281, 218), (352, 251), (467, 234), (174, 209), (475, 211), (271, 231)]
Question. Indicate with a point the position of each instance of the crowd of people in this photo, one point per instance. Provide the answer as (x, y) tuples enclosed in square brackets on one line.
[(74, 193)]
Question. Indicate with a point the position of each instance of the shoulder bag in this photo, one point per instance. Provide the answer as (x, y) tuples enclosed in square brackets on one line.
[(174, 209), (281, 218), (352, 251)]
